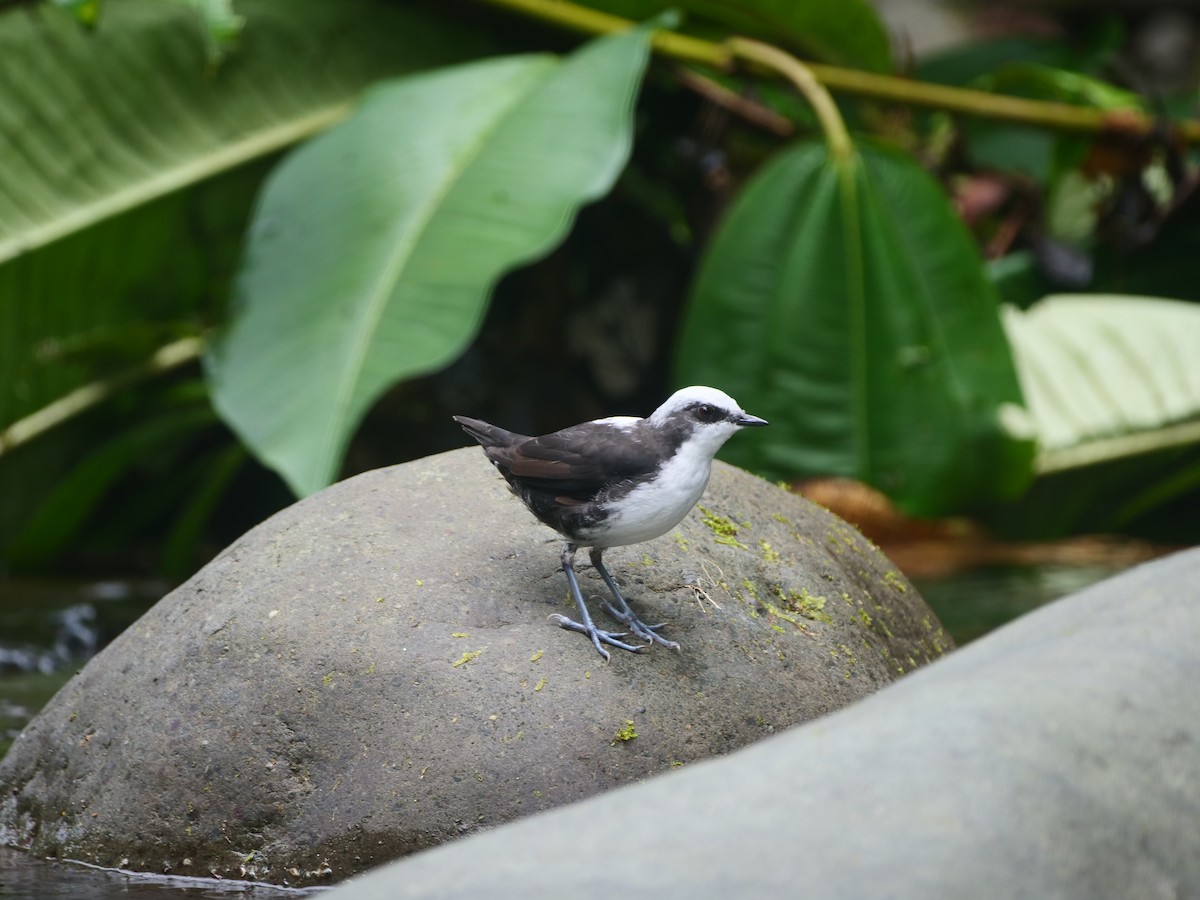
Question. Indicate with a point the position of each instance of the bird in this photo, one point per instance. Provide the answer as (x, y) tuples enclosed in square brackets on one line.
[(616, 481)]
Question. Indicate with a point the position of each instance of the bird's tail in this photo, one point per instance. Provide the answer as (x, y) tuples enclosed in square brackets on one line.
[(489, 435)]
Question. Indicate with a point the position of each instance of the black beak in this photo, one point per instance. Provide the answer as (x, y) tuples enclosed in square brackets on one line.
[(745, 420)]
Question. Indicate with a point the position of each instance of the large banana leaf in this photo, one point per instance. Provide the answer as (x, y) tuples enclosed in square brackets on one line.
[(844, 301), (125, 185), (1108, 376), (99, 131), (1113, 384), (375, 246), (94, 123)]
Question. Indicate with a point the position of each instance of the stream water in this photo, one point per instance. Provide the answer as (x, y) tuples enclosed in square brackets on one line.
[(48, 630)]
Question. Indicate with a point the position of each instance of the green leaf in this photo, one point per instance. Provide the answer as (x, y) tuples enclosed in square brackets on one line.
[(375, 247), (96, 123), (962, 65), (1042, 82), (211, 479), (1041, 155), (843, 32), (222, 25), (86, 12), (66, 508), (127, 169), (1108, 376), (844, 301)]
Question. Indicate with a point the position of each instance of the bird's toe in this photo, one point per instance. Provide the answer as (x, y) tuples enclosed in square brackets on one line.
[(598, 637)]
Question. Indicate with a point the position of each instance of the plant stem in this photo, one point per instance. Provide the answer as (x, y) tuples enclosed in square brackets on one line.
[(82, 399), (738, 104), (591, 21), (801, 77), (983, 104)]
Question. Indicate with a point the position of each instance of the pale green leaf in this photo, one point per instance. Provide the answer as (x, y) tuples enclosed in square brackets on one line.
[(375, 246), (1108, 376), (844, 301)]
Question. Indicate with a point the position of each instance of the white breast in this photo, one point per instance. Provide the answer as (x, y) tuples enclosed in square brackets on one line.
[(654, 508)]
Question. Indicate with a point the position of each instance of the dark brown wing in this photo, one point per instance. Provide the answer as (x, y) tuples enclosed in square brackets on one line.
[(578, 463)]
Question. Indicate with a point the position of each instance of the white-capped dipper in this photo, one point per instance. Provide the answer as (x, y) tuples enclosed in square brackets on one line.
[(616, 481)]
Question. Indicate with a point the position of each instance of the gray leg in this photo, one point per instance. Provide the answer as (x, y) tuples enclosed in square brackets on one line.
[(622, 613), (586, 627)]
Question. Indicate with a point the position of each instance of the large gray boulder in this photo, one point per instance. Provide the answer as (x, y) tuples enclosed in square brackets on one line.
[(373, 671), (1056, 758)]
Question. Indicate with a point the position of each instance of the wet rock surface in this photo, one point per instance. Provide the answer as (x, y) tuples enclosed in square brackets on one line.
[(373, 671)]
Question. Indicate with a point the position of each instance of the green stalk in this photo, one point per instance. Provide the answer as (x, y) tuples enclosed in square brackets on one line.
[(84, 398), (852, 82), (802, 78)]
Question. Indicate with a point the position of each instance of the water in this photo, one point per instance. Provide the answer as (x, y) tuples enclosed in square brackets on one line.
[(48, 630), (25, 878), (973, 602)]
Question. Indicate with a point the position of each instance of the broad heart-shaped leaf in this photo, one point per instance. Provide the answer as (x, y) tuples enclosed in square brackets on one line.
[(844, 32), (374, 247), (843, 301), (1108, 376)]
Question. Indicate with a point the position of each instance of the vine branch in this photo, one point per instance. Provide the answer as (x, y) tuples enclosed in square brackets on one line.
[(853, 82)]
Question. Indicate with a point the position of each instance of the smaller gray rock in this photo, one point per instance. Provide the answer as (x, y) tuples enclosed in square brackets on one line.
[(373, 671), (1056, 758)]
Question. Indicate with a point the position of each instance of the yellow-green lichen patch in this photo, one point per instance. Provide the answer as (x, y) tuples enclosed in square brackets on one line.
[(893, 578), (466, 658), (802, 602), (750, 588), (724, 531), (647, 560), (626, 733), (683, 542), (537, 656), (864, 617), (782, 519), (328, 679), (459, 634), (541, 683), (769, 553), (780, 614)]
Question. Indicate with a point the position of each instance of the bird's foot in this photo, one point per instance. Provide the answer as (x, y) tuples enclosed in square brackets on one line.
[(599, 637), (648, 633)]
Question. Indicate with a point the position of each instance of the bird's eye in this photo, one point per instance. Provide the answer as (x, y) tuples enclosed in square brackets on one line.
[(708, 413)]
